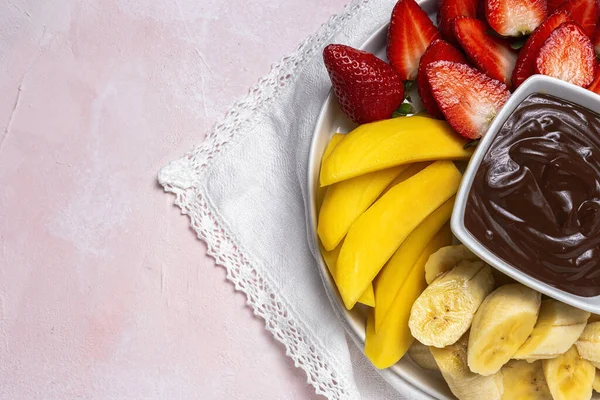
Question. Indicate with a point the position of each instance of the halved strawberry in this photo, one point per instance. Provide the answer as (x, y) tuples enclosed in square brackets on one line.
[(468, 98), (490, 54), (367, 88), (596, 41), (595, 85), (525, 66), (552, 5), (410, 33), (450, 9), (515, 17), (568, 54), (437, 50), (584, 12)]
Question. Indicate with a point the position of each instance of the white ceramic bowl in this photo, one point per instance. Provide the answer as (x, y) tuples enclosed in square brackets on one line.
[(535, 84)]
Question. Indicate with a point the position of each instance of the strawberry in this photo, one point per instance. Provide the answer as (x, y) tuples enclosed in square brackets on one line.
[(450, 9), (568, 54), (595, 85), (552, 5), (437, 50), (515, 17), (584, 12), (596, 41), (409, 34), (367, 88), (490, 54), (468, 99), (525, 66)]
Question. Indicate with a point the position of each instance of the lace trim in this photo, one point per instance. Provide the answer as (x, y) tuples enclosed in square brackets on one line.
[(280, 319)]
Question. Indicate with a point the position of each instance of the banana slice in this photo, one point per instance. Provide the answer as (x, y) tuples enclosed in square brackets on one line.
[(422, 356), (596, 384), (464, 384), (501, 325), (524, 381), (445, 259), (594, 318), (557, 328), (588, 343), (569, 376), (445, 309)]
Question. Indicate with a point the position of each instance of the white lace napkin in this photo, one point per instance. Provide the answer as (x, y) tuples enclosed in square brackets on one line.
[(243, 189)]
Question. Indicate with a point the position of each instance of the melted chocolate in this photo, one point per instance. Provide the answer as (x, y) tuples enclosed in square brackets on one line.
[(535, 200)]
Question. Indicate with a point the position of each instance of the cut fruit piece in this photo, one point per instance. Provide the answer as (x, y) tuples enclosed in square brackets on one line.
[(367, 88), (596, 385), (393, 275), (438, 50), (468, 99), (448, 10), (515, 17), (422, 356), (595, 85), (490, 54), (412, 170), (410, 33), (557, 328), (385, 347), (386, 144), (568, 54), (444, 311), (330, 258), (464, 384), (445, 259), (569, 376), (525, 66), (524, 381), (584, 12), (377, 234), (588, 343), (345, 201), (335, 139), (501, 325)]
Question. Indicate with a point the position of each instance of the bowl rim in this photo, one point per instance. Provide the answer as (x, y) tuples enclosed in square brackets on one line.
[(535, 84)]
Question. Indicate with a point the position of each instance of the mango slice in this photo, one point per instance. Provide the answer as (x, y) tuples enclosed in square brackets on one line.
[(388, 143), (345, 201), (330, 257), (376, 235), (335, 139), (412, 169), (394, 273), (387, 346)]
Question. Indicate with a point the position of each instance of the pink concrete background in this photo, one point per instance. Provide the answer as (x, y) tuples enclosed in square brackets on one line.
[(105, 293)]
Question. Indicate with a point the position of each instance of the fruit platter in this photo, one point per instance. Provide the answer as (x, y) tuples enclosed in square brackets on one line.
[(408, 115)]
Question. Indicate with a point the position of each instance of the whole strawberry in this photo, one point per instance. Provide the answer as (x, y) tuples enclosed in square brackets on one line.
[(366, 87)]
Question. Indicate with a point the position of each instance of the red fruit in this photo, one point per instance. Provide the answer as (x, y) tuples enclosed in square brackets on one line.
[(410, 33), (568, 54), (490, 54), (595, 85), (596, 41), (584, 12), (525, 66), (450, 9), (515, 17), (438, 50), (366, 87), (552, 5), (469, 99)]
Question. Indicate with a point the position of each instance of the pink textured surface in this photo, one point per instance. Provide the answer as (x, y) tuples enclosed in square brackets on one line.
[(105, 293)]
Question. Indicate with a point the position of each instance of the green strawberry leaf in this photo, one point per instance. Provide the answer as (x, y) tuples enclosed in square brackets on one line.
[(404, 110), (472, 143)]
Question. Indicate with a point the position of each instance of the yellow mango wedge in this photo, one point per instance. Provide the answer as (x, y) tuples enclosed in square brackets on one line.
[(330, 257), (412, 169), (335, 139), (396, 271), (387, 346), (345, 201), (376, 235), (388, 143)]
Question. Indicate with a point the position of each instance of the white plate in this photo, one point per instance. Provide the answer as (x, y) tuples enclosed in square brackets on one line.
[(332, 120)]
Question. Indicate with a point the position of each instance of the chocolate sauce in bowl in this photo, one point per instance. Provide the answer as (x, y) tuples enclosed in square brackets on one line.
[(535, 199)]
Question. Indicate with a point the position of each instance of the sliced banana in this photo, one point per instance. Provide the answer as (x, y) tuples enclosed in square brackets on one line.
[(422, 356), (557, 328), (594, 318), (524, 381), (569, 376), (464, 384), (588, 343), (596, 384), (445, 259), (501, 325), (445, 309)]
